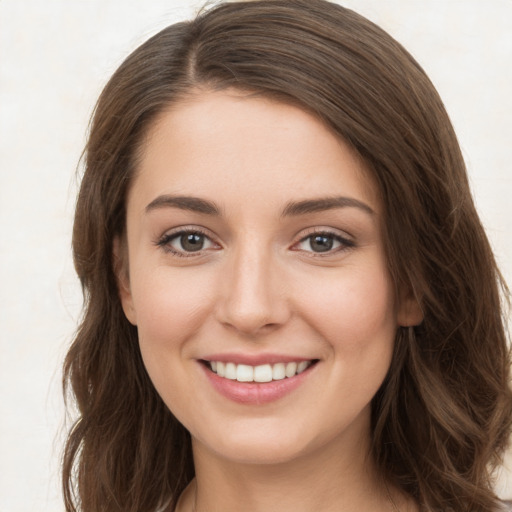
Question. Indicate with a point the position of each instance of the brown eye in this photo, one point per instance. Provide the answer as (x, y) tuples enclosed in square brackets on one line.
[(321, 242), (191, 242), (186, 243)]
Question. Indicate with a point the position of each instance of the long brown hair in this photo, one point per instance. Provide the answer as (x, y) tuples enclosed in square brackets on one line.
[(443, 415)]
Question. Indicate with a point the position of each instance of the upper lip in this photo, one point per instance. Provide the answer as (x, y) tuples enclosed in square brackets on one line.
[(255, 359)]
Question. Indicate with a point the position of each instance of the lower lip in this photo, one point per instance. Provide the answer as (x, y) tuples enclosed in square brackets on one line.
[(256, 393)]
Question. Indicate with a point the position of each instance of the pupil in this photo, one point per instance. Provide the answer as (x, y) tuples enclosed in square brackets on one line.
[(192, 242), (321, 243)]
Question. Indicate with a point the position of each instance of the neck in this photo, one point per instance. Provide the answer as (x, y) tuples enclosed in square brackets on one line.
[(337, 478)]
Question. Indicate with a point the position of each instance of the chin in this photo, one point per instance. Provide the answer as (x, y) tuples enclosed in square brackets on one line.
[(257, 442), (264, 452)]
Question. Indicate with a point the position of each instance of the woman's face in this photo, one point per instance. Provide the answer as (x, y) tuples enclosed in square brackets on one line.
[(254, 245)]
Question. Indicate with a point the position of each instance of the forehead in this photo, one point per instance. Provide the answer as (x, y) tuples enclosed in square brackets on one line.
[(229, 142)]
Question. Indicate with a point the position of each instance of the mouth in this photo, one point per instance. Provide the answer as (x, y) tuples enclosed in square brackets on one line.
[(263, 382), (261, 373)]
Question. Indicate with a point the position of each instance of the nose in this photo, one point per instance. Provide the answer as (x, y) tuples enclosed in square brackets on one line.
[(253, 298)]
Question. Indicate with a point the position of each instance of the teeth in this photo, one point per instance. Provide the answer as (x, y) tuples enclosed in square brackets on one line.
[(278, 371), (291, 369), (302, 366), (230, 371), (244, 373), (261, 373)]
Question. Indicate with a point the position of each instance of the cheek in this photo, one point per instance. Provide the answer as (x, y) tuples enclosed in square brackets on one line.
[(356, 319), (171, 305), (354, 309)]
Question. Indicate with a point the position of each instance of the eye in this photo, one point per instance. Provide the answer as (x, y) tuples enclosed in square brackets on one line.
[(186, 242), (323, 242)]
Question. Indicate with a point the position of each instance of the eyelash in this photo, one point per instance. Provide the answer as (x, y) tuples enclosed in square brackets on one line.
[(165, 240), (345, 243)]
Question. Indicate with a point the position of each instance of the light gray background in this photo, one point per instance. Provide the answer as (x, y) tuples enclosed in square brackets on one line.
[(54, 58)]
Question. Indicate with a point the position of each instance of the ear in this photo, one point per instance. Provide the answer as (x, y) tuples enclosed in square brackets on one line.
[(409, 309), (120, 264)]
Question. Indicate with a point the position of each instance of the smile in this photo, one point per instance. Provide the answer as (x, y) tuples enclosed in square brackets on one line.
[(260, 373)]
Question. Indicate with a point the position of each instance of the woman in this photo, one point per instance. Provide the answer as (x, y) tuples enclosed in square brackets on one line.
[(291, 303)]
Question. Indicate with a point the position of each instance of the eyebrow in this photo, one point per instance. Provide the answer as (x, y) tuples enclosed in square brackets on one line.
[(322, 204), (194, 204), (295, 208)]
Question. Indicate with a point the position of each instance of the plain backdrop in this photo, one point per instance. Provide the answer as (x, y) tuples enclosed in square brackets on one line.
[(55, 56)]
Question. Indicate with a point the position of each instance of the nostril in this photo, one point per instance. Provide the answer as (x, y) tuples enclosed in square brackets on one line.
[(249, 299), (250, 328)]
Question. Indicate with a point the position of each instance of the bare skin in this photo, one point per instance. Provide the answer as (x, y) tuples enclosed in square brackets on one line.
[(254, 233), (293, 487)]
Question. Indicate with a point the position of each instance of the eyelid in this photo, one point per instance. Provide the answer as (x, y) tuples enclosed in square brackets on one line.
[(164, 240), (345, 240)]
